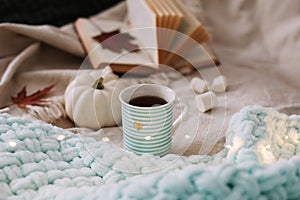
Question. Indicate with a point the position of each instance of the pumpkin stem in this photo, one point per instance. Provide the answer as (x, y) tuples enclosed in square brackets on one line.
[(99, 84)]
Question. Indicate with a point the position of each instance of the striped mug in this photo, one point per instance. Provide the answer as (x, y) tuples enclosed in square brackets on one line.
[(148, 129)]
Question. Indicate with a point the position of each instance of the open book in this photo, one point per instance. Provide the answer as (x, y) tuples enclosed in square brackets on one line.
[(158, 32)]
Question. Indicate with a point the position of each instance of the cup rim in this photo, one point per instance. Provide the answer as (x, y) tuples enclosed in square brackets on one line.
[(147, 108)]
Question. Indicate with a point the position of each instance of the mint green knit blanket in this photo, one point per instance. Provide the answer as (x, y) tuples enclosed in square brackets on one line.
[(40, 161)]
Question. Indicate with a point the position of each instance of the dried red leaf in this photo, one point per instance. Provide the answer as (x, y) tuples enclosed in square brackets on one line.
[(34, 99), (118, 42)]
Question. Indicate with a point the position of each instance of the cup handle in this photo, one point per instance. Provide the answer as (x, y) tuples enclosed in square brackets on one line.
[(180, 117)]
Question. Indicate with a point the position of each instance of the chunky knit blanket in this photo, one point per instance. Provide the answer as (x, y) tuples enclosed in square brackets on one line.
[(39, 161)]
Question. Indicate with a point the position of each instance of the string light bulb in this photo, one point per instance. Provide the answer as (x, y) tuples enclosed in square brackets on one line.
[(60, 137), (12, 144)]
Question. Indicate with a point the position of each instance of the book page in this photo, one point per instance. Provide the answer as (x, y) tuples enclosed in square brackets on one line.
[(165, 33), (144, 22), (100, 55), (160, 19), (159, 14), (199, 56), (190, 22), (190, 27), (165, 14), (174, 22), (176, 12)]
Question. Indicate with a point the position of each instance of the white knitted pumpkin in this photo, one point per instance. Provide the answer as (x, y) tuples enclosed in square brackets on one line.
[(91, 99)]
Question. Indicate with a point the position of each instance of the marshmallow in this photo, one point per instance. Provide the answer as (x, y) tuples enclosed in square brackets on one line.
[(219, 84), (198, 85), (206, 101)]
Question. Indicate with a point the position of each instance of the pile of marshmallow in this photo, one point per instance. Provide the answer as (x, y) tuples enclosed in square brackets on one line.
[(206, 98)]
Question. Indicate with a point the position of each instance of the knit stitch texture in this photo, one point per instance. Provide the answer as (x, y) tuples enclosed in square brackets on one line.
[(40, 161)]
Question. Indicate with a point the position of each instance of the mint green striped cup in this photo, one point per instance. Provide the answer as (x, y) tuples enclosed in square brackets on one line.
[(148, 129)]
